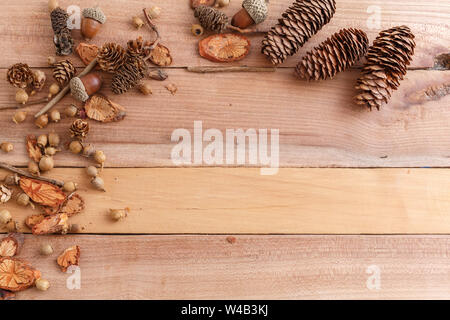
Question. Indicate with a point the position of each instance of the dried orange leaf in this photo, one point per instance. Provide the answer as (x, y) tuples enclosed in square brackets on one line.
[(6, 295), (87, 52), (57, 223), (102, 109), (10, 245), (42, 192), (72, 206), (70, 257), (224, 47), (160, 56), (34, 151), (16, 275), (33, 220)]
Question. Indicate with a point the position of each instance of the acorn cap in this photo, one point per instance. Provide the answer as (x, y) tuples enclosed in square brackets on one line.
[(257, 9), (78, 90), (95, 13)]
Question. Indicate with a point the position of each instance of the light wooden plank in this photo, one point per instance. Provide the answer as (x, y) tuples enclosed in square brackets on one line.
[(254, 267), (318, 124), (29, 38), (238, 200)]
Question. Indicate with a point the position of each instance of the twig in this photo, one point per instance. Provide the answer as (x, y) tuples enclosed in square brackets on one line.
[(29, 175), (20, 106), (154, 28), (65, 90), (252, 30), (229, 69)]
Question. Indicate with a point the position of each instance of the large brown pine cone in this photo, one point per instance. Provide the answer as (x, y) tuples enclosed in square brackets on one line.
[(211, 19), (111, 57), (137, 47), (63, 71), (302, 20), (386, 65), (20, 75), (129, 75), (59, 19), (79, 129), (339, 52)]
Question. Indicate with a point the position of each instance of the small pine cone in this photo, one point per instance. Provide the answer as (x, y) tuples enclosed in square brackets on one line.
[(59, 19), (79, 129), (386, 65), (20, 75), (339, 52), (63, 71), (302, 20), (111, 57), (137, 48), (63, 42), (211, 19), (129, 75)]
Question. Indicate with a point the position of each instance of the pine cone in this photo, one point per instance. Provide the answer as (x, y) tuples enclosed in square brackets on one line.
[(302, 20), (59, 19), (339, 52), (20, 75), (211, 19), (63, 42), (63, 72), (387, 60), (136, 48), (111, 57), (79, 129), (129, 75)]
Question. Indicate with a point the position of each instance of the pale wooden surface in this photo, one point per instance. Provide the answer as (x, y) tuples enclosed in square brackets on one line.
[(254, 267), (227, 200)]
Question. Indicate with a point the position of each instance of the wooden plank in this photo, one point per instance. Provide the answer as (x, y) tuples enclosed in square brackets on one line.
[(29, 39), (318, 125), (254, 267), (238, 200)]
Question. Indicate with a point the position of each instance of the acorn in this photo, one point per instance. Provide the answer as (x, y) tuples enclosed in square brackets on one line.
[(23, 199), (46, 163), (42, 121), (53, 139), (5, 216), (71, 111), (93, 19), (252, 12), (19, 117), (55, 116), (98, 183), (83, 88), (70, 186), (92, 171), (7, 147), (42, 140), (21, 96), (75, 147), (33, 168)]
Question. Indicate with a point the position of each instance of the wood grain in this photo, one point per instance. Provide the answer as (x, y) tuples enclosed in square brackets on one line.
[(319, 126), (254, 267), (239, 200), (29, 39)]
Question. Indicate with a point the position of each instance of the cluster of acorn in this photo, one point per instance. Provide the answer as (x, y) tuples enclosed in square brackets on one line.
[(50, 144)]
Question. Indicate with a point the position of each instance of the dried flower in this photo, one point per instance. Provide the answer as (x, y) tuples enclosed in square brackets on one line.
[(11, 245), (70, 257), (39, 79), (23, 199), (92, 171), (16, 275), (41, 192), (42, 284), (7, 147), (42, 121), (138, 22), (55, 116), (20, 75), (197, 30), (12, 226), (53, 139), (5, 216), (79, 129), (33, 168), (101, 108), (21, 96), (70, 186), (75, 147), (224, 47), (46, 163), (56, 223), (19, 117), (98, 183)]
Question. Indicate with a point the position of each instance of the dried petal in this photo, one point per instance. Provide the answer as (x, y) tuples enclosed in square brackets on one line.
[(160, 56), (5, 194), (34, 151), (224, 47), (42, 192), (101, 108), (70, 257), (11, 245), (72, 206), (53, 224), (33, 220), (16, 275)]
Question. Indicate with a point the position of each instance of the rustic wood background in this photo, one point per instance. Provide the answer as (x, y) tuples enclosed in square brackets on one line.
[(351, 192)]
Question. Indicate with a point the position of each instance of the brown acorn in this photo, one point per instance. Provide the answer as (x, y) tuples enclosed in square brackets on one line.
[(252, 12), (82, 88), (93, 19)]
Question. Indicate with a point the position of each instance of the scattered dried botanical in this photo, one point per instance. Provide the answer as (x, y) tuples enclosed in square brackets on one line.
[(46, 163), (75, 147), (42, 284), (98, 183), (33, 220), (5, 217), (101, 108), (154, 12), (138, 22), (224, 47), (12, 226), (57, 223), (111, 57), (26, 174), (197, 3), (87, 52), (145, 87), (70, 257), (41, 192), (33, 168), (17, 275), (42, 121), (157, 74), (10, 245), (82, 88), (252, 12), (53, 139), (72, 206), (20, 75), (21, 96), (39, 79), (197, 30), (55, 116), (172, 88), (5, 194), (7, 147), (62, 39), (79, 129), (160, 56), (23, 199), (71, 111), (46, 249), (19, 117), (119, 214)]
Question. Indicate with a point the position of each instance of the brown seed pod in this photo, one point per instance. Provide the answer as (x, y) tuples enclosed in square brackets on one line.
[(88, 150), (145, 88), (42, 141), (98, 183), (50, 151), (71, 111), (226, 47), (42, 121), (154, 12), (7, 147), (75, 147), (197, 30), (197, 3), (100, 157), (160, 56), (21, 96), (23, 199), (138, 22), (70, 186), (92, 171), (33, 168), (55, 116), (46, 249), (46, 163), (53, 90), (93, 19), (53, 139), (19, 117), (5, 217)]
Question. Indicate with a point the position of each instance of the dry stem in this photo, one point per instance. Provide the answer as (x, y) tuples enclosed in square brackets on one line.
[(251, 30), (20, 106), (65, 90), (154, 28), (29, 175), (229, 69)]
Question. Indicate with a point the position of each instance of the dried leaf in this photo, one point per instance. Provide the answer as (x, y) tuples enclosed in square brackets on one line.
[(160, 56), (16, 275), (72, 206), (172, 88), (224, 47), (10, 245), (158, 74), (6, 295), (57, 223), (101, 108), (34, 151), (42, 192), (33, 220), (70, 257), (87, 52)]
